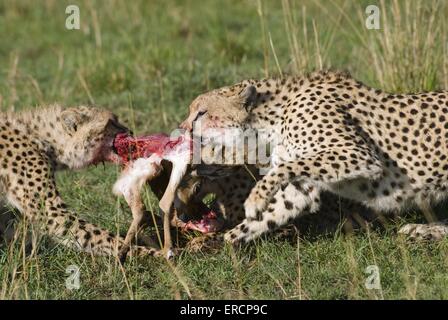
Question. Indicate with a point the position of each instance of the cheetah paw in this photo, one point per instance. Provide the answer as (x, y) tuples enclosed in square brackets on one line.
[(429, 232), (234, 237)]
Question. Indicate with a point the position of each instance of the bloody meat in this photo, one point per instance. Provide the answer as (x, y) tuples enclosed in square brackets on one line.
[(130, 148)]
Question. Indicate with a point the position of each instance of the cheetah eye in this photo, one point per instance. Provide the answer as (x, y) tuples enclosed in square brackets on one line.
[(200, 114)]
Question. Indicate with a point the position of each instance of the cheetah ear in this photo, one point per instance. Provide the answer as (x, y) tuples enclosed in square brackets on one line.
[(71, 119), (248, 97)]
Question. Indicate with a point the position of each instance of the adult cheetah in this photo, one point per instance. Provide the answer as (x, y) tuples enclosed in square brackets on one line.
[(331, 134), (33, 144)]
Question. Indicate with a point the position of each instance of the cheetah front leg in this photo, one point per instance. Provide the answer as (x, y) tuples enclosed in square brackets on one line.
[(67, 229), (320, 169), (39, 202), (290, 202), (317, 172)]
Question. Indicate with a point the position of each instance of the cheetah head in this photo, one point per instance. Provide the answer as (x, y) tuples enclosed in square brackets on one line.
[(88, 136), (217, 110)]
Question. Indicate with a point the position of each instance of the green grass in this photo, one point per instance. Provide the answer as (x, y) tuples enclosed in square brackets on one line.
[(146, 61)]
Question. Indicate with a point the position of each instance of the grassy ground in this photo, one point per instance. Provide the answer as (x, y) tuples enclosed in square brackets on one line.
[(146, 61)]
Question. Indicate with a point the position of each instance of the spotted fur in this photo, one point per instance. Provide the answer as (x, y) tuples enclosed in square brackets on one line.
[(33, 145), (336, 135)]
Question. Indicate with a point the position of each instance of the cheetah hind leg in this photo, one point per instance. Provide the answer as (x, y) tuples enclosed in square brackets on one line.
[(291, 201)]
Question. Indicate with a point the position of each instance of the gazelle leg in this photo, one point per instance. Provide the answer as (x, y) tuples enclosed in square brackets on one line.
[(166, 204), (136, 204)]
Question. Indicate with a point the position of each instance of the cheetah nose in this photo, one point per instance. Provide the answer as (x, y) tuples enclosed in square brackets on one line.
[(185, 125)]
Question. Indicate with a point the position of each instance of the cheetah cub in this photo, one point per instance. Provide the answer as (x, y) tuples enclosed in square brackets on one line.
[(33, 145)]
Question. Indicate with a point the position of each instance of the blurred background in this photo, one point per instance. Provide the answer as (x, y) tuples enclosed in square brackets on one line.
[(154, 57)]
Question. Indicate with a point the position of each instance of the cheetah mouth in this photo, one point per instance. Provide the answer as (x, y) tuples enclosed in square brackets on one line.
[(113, 146), (114, 154), (107, 152)]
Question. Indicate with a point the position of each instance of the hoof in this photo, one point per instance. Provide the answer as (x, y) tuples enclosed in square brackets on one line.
[(168, 254)]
